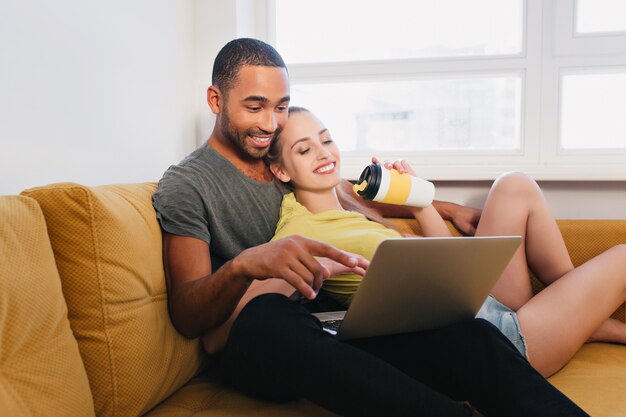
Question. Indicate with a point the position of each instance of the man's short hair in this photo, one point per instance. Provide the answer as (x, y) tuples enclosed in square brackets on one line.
[(239, 52)]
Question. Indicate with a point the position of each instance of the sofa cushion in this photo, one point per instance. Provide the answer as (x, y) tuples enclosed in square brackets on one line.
[(204, 397), (41, 372), (596, 379), (107, 245)]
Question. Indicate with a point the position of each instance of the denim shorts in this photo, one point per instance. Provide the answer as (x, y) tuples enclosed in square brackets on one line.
[(504, 319)]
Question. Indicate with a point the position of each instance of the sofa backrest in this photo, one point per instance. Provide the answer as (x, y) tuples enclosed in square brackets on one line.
[(41, 372), (107, 246)]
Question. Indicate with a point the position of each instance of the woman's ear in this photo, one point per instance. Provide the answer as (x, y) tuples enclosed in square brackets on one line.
[(279, 173)]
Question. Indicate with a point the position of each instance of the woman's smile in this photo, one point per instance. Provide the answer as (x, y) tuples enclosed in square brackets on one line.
[(326, 169)]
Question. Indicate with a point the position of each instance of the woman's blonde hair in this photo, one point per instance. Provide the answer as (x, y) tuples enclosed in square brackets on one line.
[(347, 200)]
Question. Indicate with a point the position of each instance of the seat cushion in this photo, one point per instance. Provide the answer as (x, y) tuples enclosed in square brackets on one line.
[(595, 379), (204, 397), (107, 244), (41, 372)]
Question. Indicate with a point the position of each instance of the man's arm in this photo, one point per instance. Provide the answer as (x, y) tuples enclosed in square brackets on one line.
[(465, 219), (199, 300), (193, 301)]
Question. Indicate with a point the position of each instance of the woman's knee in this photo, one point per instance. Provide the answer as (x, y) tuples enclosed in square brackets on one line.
[(515, 180), (516, 184)]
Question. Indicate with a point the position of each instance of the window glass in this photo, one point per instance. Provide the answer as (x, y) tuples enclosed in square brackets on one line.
[(592, 111), (593, 16), (473, 113), (353, 30)]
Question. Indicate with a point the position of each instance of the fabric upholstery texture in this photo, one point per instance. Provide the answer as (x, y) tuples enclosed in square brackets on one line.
[(41, 372), (596, 379), (204, 397), (107, 244)]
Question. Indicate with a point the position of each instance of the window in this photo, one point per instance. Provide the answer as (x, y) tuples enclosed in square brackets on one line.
[(353, 30), (495, 85), (431, 114), (593, 111), (600, 16)]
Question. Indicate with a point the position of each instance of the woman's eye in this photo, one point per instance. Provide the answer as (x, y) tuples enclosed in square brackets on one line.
[(327, 141), (303, 151)]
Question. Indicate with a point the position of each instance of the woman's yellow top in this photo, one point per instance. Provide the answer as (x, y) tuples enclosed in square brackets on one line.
[(345, 230)]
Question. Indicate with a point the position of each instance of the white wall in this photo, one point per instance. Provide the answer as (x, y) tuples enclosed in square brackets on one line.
[(93, 91), (216, 23), (567, 199)]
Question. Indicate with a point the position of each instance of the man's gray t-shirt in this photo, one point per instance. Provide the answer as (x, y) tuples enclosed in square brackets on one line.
[(207, 198)]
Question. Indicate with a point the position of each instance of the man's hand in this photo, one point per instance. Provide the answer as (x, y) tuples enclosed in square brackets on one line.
[(293, 260), (465, 219)]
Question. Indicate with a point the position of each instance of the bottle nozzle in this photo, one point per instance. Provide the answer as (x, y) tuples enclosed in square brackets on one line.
[(358, 188)]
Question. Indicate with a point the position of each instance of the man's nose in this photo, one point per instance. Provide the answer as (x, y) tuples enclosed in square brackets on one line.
[(268, 122)]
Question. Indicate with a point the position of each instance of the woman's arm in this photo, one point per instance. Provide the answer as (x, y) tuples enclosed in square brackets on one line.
[(431, 223), (465, 219)]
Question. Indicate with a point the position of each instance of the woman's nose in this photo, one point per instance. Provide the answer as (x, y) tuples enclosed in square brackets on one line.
[(323, 153)]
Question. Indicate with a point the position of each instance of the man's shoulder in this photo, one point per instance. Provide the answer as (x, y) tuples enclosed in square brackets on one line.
[(199, 160), (199, 167)]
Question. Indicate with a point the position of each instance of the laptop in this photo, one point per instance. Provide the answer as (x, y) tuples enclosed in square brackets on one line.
[(415, 284)]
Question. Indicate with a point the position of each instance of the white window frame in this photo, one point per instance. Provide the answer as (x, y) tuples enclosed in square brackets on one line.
[(551, 49)]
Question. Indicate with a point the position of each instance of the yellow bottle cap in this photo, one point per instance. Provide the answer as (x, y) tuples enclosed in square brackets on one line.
[(359, 187)]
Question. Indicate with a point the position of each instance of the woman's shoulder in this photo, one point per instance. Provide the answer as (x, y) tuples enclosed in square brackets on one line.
[(290, 207), (293, 217)]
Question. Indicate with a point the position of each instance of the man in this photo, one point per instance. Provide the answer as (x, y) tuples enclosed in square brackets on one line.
[(219, 207)]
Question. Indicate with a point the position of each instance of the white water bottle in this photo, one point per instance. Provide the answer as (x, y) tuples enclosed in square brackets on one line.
[(391, 187)]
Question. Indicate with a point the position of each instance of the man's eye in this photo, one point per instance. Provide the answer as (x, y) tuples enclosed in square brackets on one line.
[(254, 108), (282, 108)]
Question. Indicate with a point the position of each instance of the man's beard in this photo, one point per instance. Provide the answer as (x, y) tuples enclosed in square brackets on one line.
[(238, 138)]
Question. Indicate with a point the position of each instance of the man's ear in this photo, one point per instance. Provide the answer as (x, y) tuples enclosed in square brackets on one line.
[(279, 173), (215, 99)]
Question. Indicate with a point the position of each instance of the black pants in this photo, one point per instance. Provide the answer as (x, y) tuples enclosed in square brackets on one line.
[(278, 351)]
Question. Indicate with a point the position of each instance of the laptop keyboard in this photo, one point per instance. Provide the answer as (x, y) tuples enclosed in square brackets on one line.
[(331, 326)]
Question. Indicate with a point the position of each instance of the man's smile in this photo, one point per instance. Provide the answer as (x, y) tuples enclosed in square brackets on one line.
[(260, 141)]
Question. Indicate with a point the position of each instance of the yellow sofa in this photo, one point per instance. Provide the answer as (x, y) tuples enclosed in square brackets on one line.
[(84, 327)]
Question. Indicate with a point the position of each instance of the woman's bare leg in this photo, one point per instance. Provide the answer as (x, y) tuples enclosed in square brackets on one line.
[(575, 306), (516, 206), (613, 331), (561, 318)]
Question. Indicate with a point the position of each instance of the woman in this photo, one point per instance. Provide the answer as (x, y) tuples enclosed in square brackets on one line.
[(543, 327)]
